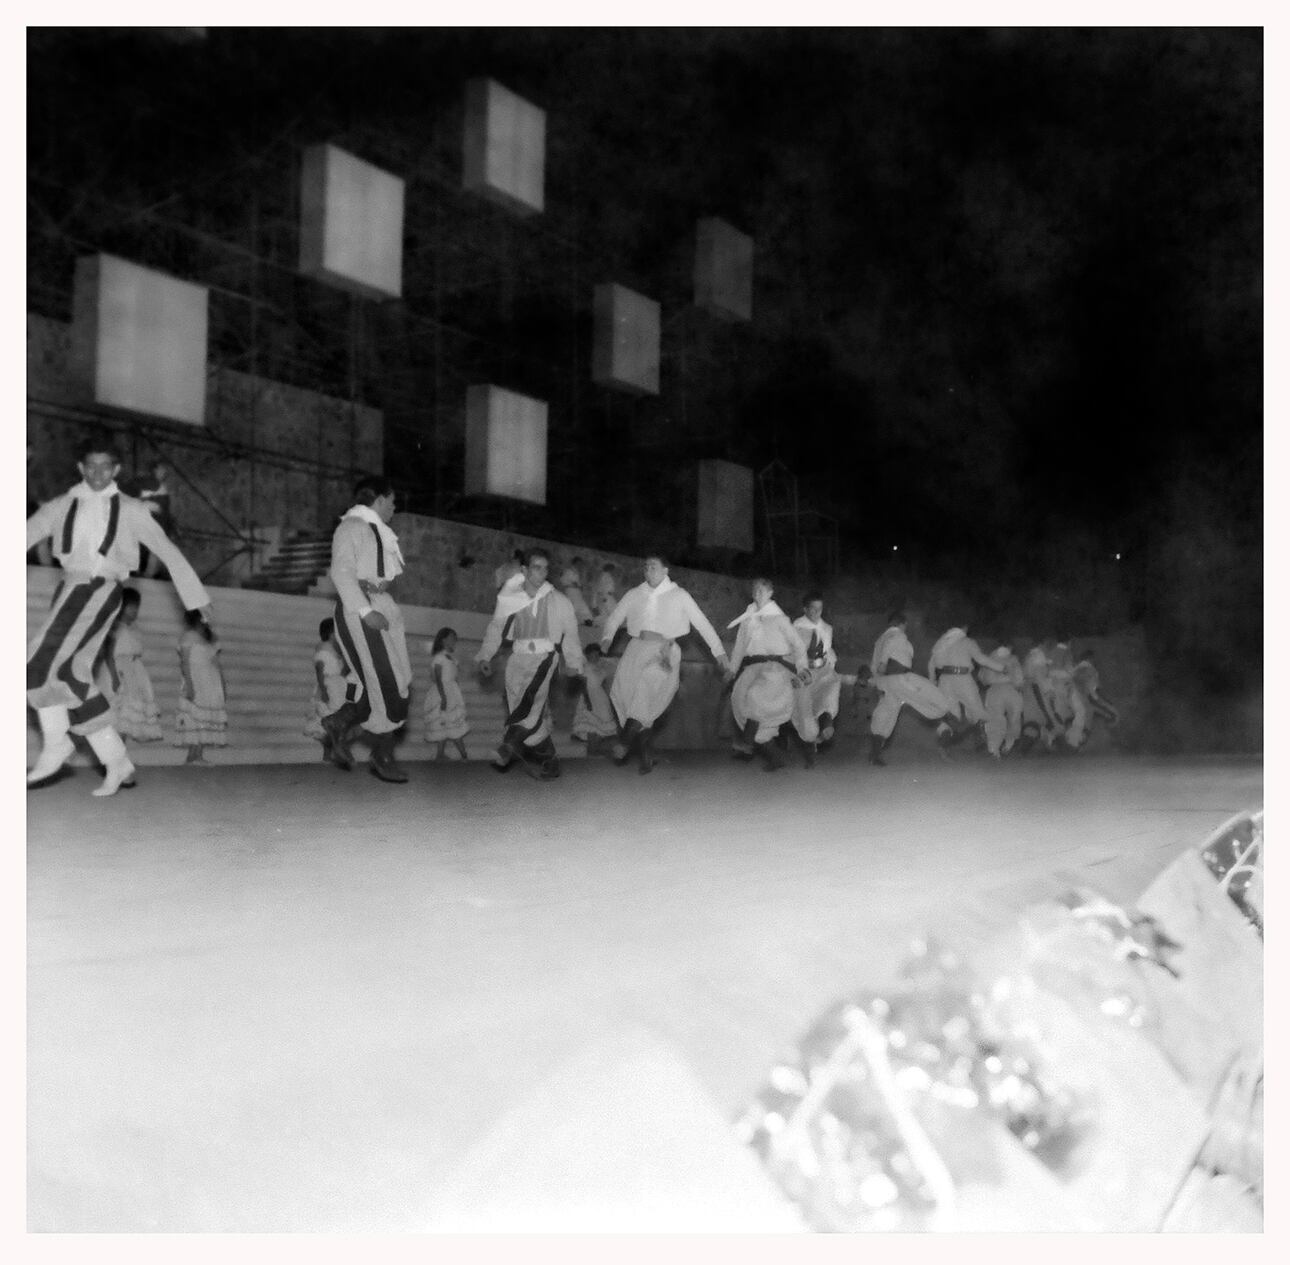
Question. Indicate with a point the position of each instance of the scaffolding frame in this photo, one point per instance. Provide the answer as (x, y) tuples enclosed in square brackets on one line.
[(802, 543), (488, 295)]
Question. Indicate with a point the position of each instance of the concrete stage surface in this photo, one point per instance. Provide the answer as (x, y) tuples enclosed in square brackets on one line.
[(294, 999)]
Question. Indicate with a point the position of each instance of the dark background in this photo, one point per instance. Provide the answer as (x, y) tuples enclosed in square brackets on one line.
[(1007, 297)]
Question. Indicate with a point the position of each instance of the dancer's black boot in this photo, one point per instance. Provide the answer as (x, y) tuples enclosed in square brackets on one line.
[(623, 748), (745, 742), (382, 764), (337, 727), (645, 751)]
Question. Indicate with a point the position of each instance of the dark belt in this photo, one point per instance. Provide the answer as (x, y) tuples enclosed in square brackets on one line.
[(952, 671), (749, 660), (898, 672), (372, 587)]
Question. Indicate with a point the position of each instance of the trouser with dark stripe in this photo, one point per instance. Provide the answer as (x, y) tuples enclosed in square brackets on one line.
[(528, 685), (379, 663), (906, 689), (61, 656)]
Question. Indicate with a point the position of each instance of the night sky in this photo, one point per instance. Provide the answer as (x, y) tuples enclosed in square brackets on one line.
[(1008, 297)]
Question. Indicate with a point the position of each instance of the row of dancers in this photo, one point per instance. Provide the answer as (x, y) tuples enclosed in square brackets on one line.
[(790, 683), (782, 673), (782, 676)]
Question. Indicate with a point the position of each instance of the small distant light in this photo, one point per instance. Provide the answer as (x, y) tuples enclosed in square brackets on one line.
[(894, 548), (1117, 557)]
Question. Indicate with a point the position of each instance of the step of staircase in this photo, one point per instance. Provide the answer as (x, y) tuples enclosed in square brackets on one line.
[(267, 641), (295, 566)]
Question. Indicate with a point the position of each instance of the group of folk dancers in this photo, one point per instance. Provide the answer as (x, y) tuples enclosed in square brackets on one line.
[(782, 674), (782, 677), (1046, 701)]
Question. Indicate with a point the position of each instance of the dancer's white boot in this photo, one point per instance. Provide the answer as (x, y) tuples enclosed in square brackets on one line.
[(56, 746), (110, 750)]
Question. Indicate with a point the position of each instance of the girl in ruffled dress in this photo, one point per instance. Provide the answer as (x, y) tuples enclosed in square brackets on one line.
[(130, 687), (331, 678), (445, 709), (593, 718), (201, 720)]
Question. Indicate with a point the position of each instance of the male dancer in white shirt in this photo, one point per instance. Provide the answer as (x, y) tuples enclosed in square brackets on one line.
[(768, 665), (1003, 702), (950, 665), (900, 686), (1089, 684), (1039, 717), (96, 532), (539, 622), (1069, 702), (656, 613), (818, 699), (365, 560)]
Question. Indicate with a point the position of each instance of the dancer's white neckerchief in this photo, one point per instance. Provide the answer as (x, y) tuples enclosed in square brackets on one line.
[(650, 613), (822, 630), (92, 512), (757, 612), (512, 597)]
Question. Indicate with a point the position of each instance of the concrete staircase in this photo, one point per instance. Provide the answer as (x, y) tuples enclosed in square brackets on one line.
[(267, 642), (296, 566)]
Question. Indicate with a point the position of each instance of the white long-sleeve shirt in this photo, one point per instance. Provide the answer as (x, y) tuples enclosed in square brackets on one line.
[(359, 552), (521, 617), (768, 632), (672, 614), (821, 631), (955, 649), (1035, 667), (1085, 675), (99, 534), (893, 644), (1009, 674)]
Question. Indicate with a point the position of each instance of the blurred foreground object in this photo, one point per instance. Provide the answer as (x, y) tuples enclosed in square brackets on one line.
[(1093, 1068)]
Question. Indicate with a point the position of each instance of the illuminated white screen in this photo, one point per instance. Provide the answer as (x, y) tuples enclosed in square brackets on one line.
[(504, 154), (625, 347), (725, 518), (351, 230), (505, 444), (723, 269), (139, 338)]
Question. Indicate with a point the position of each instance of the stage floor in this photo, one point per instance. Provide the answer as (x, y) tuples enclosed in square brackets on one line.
[(294, 999)]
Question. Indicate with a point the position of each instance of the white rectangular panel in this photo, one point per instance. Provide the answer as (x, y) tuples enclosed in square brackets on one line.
[(625, 345), (351, 227), (505, 444), (723, 269), (725, 510), (504, 147), (139, 338)]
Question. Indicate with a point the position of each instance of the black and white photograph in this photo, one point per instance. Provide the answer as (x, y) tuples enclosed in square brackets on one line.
[(649, 629)]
